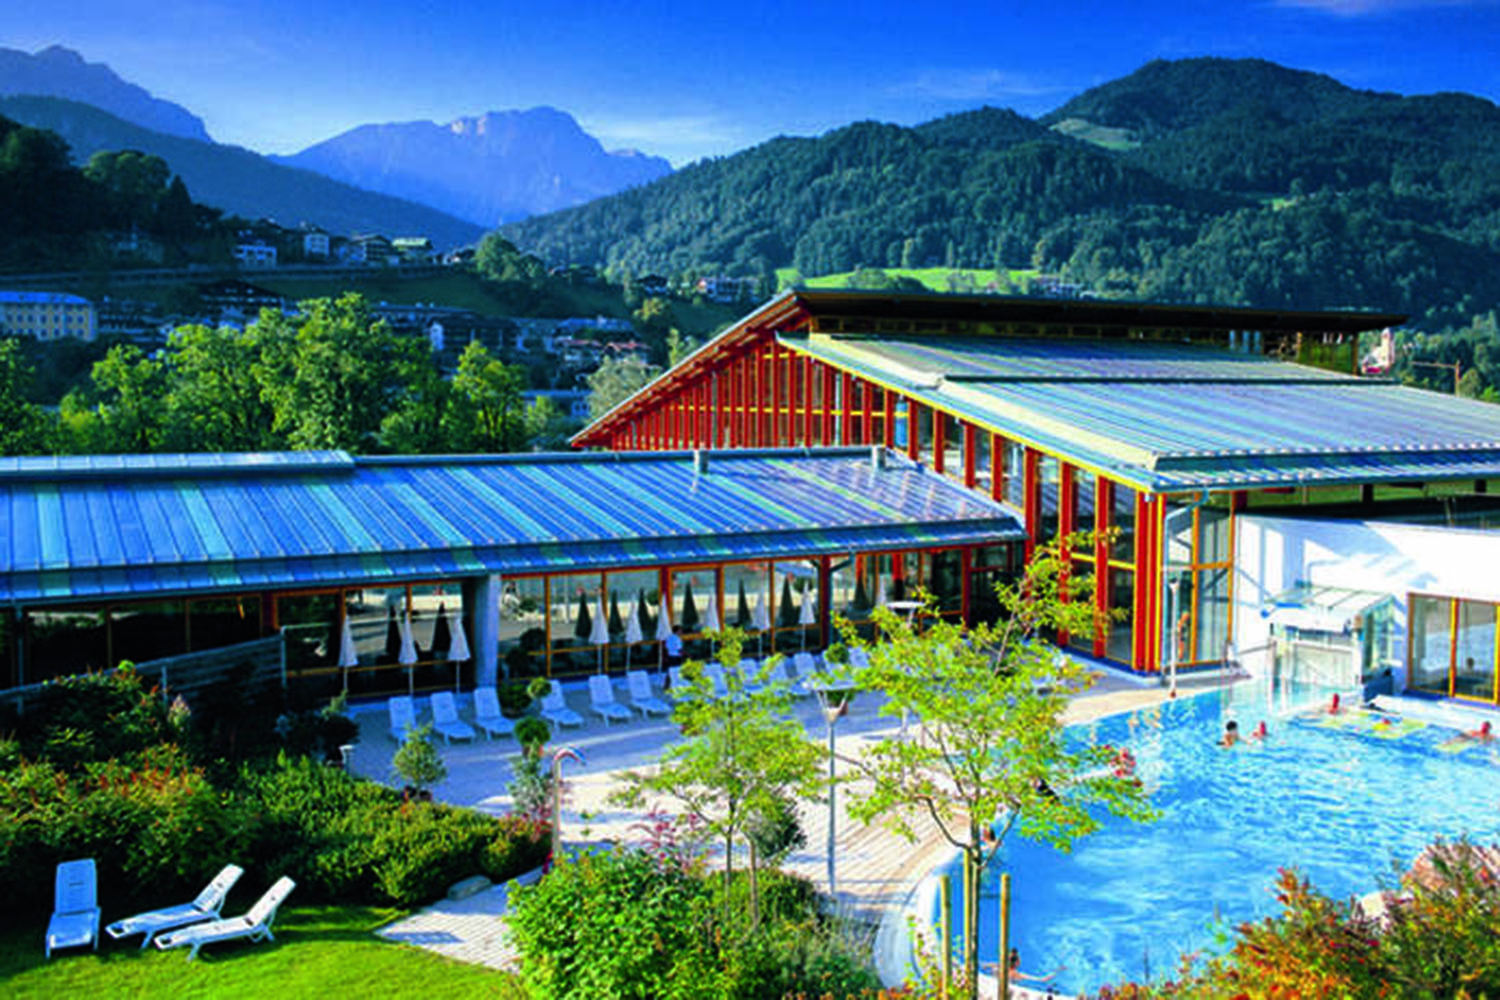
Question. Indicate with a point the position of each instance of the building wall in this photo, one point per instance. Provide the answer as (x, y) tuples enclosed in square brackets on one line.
[(46, 316), (1273, 555)]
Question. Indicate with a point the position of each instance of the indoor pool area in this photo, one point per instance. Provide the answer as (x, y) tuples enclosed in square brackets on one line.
[(1344, 799)]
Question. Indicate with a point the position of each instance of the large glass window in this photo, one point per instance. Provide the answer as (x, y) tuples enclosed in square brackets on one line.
[(796, 611), (982, 471), (1474, 660), (1119, 642), (1015, 474), (1431, 643), (1050, 473), (632, 594), (524, 614), (1212, 619), (1122, 518), (63, 642), (924, 435), (953, 447)]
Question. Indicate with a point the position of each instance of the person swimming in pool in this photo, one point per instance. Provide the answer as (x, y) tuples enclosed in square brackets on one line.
[(1231, 734), (1259, 733)]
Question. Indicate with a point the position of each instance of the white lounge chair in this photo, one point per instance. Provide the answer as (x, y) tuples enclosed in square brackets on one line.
[(255, 924), (403, 717), (807, 674), (556, 711), (750, 679), (678, 688), (776, 676), (602, 700), (487, 714), (715, 673), (445, 720), (206, 907), (641, 698), (75, 910)]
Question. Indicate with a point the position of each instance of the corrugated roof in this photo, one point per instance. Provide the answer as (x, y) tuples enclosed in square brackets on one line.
[(1163, 416), (134, 526)]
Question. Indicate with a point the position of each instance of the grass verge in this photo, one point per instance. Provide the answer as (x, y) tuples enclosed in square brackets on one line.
[(328, 951)]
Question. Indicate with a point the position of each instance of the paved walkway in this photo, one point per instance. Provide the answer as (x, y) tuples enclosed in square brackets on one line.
[(876, 871)]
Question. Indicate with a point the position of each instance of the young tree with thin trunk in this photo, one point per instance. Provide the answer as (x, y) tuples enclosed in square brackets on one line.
[(740, 758), (987, 754)]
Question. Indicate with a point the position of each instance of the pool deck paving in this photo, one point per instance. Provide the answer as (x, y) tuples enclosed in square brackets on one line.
[(877, 872)]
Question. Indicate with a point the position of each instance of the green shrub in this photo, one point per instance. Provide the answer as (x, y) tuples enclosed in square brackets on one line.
[(633, 928), (94, 717), (519, 846), (637, 926), (155, 828), (417, 760), (513, 696)]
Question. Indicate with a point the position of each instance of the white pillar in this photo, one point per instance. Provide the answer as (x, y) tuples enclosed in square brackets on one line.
[(482, 603)]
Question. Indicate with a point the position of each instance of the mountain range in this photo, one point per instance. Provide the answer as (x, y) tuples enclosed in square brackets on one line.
[(1198, 180), (60, 72), (498, 167), (241, 182), (474, 172)]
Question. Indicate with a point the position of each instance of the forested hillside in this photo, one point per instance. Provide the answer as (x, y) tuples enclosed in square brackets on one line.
[(1203, 180)]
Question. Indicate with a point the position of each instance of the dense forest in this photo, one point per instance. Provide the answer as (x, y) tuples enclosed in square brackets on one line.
[(54, 214), (1205, 180)]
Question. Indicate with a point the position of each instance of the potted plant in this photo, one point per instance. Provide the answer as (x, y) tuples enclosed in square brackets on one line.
[(419, 764)]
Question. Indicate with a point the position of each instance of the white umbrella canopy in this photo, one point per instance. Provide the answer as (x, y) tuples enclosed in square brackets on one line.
[(880, 591), (711, 615), (599, 632), (760, 620), (807, 615), (408, 656), (458, 647), (760, 615), (633, 626), (348, 655)]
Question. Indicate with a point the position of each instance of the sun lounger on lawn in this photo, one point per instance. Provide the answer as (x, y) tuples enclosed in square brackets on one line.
[(641, 698), (75, 913), (487, 714), (776, 676), (602, 700), (556, 711), (206, 907), (445, 720), (255, 924)]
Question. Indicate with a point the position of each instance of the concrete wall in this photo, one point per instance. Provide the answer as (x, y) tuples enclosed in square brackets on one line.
[(1273, 555)]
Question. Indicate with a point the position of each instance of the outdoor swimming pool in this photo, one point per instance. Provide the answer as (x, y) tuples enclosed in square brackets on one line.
[(1340, 802)]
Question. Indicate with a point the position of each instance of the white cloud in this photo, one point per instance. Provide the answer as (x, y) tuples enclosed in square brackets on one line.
[(976, 85), (680, 138), (1361, 8)]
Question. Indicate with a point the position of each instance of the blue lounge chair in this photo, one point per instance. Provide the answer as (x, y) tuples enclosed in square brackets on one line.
[(75, 913)]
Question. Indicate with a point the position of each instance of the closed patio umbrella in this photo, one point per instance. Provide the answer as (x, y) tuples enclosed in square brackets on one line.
[(633, 633), (408, 655), (599, 633), (458, 647), (760, 620), (710, 619), (880, 601), (348, 655), (807, 616), (663, 633)]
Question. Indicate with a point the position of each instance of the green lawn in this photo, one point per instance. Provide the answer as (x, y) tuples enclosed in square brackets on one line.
[(935, 278), (318, 952)]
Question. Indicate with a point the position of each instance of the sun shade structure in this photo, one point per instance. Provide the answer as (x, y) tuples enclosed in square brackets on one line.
[(121, 526)]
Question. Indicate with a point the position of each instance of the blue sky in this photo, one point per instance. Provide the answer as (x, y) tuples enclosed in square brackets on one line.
[(686, 80)]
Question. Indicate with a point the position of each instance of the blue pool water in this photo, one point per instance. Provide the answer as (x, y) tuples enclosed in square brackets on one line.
[(1342, 804)]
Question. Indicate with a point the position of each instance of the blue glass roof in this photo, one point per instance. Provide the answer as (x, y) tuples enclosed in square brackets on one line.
[(1163, 416), (121, 526)]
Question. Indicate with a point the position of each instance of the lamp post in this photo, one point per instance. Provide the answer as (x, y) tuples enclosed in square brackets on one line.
[(557, 758), (833, 699)]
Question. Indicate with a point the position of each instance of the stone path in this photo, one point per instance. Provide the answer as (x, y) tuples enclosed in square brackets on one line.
[(876, 871)]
